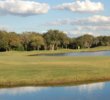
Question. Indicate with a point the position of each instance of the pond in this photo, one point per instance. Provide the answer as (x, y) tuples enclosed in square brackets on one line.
[(94, 91), (99, 53)]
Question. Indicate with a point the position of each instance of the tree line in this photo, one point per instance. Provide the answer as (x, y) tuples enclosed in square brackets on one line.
[(51, 40)]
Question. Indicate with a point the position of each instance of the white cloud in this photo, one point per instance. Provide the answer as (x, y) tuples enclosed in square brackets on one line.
[(98, 19), (94, 25), (93, 20), (92, 30), (81, 6), (59, 22), (77, 33), (22, 7), (95, 28)]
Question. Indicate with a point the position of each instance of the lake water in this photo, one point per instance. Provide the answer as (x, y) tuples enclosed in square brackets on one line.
[(99, 53), (94, 91)]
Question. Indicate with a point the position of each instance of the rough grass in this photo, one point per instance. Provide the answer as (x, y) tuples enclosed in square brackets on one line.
[(19, 69)]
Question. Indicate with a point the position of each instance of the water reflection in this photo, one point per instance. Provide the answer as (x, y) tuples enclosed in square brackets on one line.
[(21, 90), (99, 53), (92, 87), (25, 90), (87, 87), (94, 91)]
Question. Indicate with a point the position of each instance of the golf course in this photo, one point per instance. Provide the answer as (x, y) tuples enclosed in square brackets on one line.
[(18, 68)]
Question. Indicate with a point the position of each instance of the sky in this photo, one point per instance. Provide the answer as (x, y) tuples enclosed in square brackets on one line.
[(74, 17)]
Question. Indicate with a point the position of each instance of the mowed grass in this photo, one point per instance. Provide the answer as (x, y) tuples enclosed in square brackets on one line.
[(19, 69)]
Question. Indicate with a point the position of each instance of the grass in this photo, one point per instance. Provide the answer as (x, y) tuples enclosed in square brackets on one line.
[(19, 69)]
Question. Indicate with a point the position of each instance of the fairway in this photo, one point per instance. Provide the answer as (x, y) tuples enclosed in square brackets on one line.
[(19, 69)]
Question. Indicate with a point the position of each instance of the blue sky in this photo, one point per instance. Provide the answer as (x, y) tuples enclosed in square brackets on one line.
[(58, 16)]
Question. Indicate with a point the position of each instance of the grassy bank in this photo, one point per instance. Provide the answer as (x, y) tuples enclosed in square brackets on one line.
[(19, 69), (28, 53)]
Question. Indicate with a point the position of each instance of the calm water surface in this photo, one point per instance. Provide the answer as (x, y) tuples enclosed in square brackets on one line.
[(99, 53), (94, 91)]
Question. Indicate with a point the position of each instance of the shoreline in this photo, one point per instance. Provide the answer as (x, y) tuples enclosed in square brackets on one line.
[(56, 84), (43, 52), (62, 51), (46, 54)]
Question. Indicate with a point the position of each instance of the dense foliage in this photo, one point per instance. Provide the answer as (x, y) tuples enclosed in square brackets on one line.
[(51, 40)]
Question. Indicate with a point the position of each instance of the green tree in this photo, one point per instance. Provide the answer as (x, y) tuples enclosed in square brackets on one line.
[(14, 41), (54, 38), (64, 40), (36, 41), (3, 41), (25, 39), (85, 41), (104, 40)]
